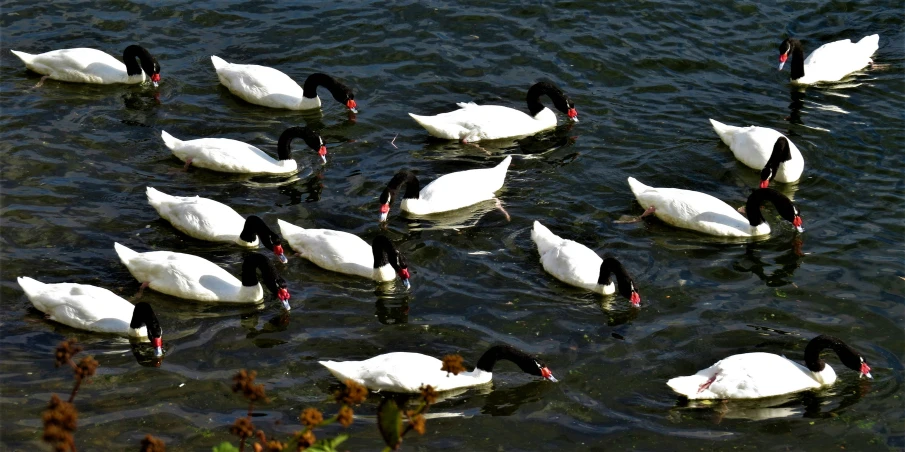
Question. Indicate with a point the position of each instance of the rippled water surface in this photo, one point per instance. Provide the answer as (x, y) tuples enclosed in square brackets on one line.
[(645, 77)]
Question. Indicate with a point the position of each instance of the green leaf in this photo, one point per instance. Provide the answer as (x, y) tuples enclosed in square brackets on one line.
[(225, 446), (389, 420), (327, 444)]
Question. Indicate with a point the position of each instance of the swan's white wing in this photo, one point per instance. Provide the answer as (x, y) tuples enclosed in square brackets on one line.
[(746, 376), (334, 250)]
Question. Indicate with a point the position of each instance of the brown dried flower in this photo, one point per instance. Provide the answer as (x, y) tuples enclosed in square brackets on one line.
[(306, 439), (244, 382), (261, 436), (352, 394), (272, 446), (152, 444), (418, 423), (311, 417), (65, 351), (345, 416), (453, 364), (86, 368), (243, 428), (258, 447), (428, 394), (60, 421)]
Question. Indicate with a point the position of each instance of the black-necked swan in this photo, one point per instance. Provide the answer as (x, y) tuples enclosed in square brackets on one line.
[(448, 192), (233, 156), (262, 85), (94, 308), (577, 265), (756, 375), (407, 372), (84, 65), (829, 62), (704, 213), (195, 278), (206, 219), (347, 253), (472, 122), (763, 149)]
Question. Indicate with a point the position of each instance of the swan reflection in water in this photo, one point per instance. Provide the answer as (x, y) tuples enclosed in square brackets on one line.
[(392, 306), (788, 261)]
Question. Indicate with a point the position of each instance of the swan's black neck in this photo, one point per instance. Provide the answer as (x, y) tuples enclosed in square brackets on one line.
[(145, 61), (269, 276), (386, 253), (524, 361), (312, 139), (404, 177), (255, 227), (792, 47), (625, 284), (560, 100), (760, 196), (849, 357), (781, 153), (144, 315), (340, 92)]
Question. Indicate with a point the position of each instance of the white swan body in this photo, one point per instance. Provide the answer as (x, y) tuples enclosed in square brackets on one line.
[(206, 219), (82, 306), (448, 192), (751, 376), (227, 156), (695, 210), (833, 61), (201, 218), (753, 146), (407, 372), (266, 86), (84, 65), (457, 190), (404, 372), (472, 123), (187, 276), (569, 261), (337, 251)]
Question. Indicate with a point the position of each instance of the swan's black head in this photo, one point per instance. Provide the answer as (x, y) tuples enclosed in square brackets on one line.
[(786, 49), (146, 63)]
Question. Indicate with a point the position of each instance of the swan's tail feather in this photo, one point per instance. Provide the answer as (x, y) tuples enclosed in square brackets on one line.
[(342, 370), (637, 187), (26, 58), (219, 63), (169, 140), (287, 228), (30, 286), (125, 254), (726, 132), (156, 197), (544, 238), (689, 386), (504, 165), (871, 43)]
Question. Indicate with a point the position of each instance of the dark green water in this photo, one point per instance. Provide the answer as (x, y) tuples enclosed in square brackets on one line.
[(645, 76)]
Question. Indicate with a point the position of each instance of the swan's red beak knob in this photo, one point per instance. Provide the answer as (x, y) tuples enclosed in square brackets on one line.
[(278, 250), (405, 276), (636, 299), (865, 370), (573, 114), (155, 79), (384, 211), (157, 343), (783, 57), (323, 153), (797, 223), (283, 296), (545, 372), (353, 107), (765, 183)]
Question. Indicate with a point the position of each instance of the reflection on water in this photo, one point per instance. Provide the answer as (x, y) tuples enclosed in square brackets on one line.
[(788, 262)]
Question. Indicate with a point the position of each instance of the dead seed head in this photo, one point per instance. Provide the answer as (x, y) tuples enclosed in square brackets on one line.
[(452, 364), (428, 394), (418, 423), (352, 394), (306, 439), (244, 382), (65, 351), (152, 444), (60, 420), (311, 417), (345, 416), (86, 368), (243, 428)]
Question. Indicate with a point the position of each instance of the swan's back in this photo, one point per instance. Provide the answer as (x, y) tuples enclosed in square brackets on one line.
[(80, 306), (402, 372), (198, 217), (260, 85), (749, 376), (472, 122), (464, 188), (82, 65), (333, 250), (227, 155), (833, 61), (567, 260)]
